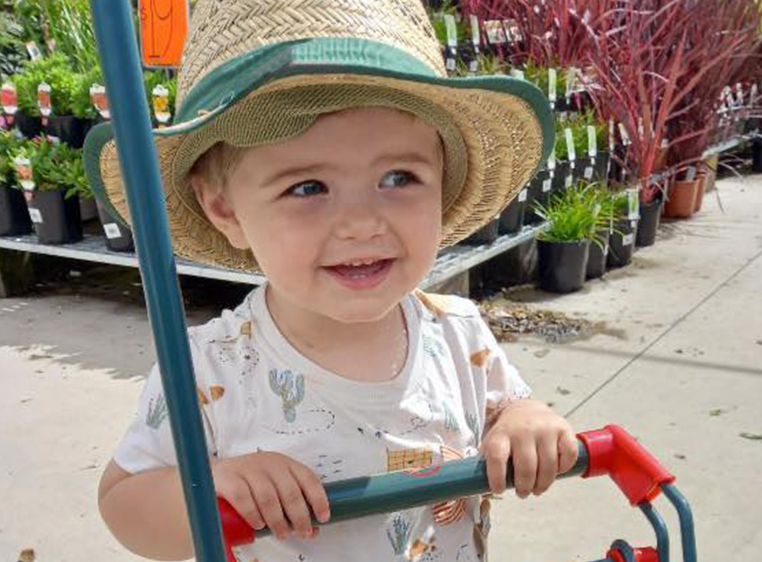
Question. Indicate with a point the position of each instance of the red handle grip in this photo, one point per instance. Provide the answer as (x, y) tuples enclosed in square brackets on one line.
[(235, 529), (613, 451)]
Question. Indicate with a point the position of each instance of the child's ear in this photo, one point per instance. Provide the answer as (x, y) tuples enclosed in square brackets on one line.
[(218, 209)]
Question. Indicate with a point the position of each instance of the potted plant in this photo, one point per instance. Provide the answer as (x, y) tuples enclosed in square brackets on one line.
[(52, 199), (14, 218), (563, 249), (624, 230), (601, 203)]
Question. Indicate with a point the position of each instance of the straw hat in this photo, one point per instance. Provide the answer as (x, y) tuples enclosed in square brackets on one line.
[(262, 71)]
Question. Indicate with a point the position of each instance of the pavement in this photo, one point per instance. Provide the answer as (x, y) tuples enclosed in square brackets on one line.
[(677, 361)]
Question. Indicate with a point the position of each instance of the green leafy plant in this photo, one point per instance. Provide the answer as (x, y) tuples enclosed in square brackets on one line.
[(56, 71), (82, 106), (12, 50), (540, 76), (56, 167), (153, 78), (8, 147), (573, 215)]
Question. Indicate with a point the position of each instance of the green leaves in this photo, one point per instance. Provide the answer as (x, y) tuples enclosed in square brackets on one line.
[(8, 147), (576, 214), (56, 166)]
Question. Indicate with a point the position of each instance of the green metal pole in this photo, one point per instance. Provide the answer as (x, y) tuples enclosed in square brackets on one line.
[(124, 82)]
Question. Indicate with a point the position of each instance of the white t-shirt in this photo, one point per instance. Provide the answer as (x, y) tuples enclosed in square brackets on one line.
[(258, 392)]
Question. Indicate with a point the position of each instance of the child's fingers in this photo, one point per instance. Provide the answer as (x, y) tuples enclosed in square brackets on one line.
[(496, 453), (294, 505), (547, 463), (269, 505), (313, 491), (524, 456), (240, 497), (567, 451)]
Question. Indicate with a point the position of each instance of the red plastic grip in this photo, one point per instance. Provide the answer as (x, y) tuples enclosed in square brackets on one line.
[(615, 452), (234, 528), (647, 554)]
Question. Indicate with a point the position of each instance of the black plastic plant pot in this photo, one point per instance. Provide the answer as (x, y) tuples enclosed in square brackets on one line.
[(88, 209), (118, 236), (485, 235), (534, 196), (29, 126), (584, 169), (14, 216), (602, 166), (650, 214), (622, 243), (563, 169), (512, 217), (596, 261), (56, 220), (562, 265), (68, 128)]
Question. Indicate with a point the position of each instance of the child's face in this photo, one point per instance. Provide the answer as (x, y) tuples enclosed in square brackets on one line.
[(345, 219)]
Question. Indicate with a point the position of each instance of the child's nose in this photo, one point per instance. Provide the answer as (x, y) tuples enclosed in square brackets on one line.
[(359, 217)]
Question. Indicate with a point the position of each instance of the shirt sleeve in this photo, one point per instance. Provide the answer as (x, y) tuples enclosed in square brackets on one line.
[(504, 384), (148, 442)]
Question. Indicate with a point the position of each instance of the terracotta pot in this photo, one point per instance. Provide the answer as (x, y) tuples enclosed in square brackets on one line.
[(681, 199), (660, 159), (703, 178)]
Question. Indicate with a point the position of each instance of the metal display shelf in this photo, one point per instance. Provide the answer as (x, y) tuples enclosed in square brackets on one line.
[(450, 262)]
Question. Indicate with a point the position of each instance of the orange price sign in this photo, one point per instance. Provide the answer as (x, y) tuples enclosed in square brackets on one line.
[(163, 28)]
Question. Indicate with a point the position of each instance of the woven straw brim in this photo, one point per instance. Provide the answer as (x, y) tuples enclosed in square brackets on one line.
[(493, 146)]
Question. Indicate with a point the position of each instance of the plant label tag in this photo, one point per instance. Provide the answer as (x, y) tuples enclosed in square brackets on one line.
[(9, 98), (739, 93), (612, 144), (517, 73), (754, 93), (592, 142), (552, 160), (633, 204), (473, 65), (24, 173), (100, 101), (450, 64), (112, 231), (495, 32), (628, 239), (43, 99), (512, 31), (452, 31), (552, 84), (35, 215), (546, 185), (570, 144), (625, 136), (160, 98), (589, 173), (523, 195), (568, 181), (475, 35), (690, 173), (33, 50)]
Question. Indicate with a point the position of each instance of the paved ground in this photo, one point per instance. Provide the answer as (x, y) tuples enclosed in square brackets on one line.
[(678, 365)]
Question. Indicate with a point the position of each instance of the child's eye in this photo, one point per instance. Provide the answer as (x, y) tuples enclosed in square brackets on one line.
[(307, 189), (398, 178)]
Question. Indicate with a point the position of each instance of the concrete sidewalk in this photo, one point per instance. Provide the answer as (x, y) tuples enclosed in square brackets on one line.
[(678, 366)]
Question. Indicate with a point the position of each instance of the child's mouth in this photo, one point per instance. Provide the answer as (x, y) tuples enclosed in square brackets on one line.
[(361, 275)]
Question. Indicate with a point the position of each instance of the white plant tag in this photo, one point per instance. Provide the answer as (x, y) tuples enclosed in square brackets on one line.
[(475, 35), (690, 173), (112, 231), (43, 99), (546, 185), (523, 195), (612, 144), (570, 144), (495, 32), (552, 159), (24, 173), (625, 137), (571, 77), (518, 73), (633, 204), (33, 50), (628, 239), (160, 99), (592, 142), (35, 215), (552, 84), (452, 30), (99, 100), (9, 98), (589, 173), (568, 181)]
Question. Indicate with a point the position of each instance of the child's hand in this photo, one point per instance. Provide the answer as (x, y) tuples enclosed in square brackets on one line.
[(273, 490), (540, 443)]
